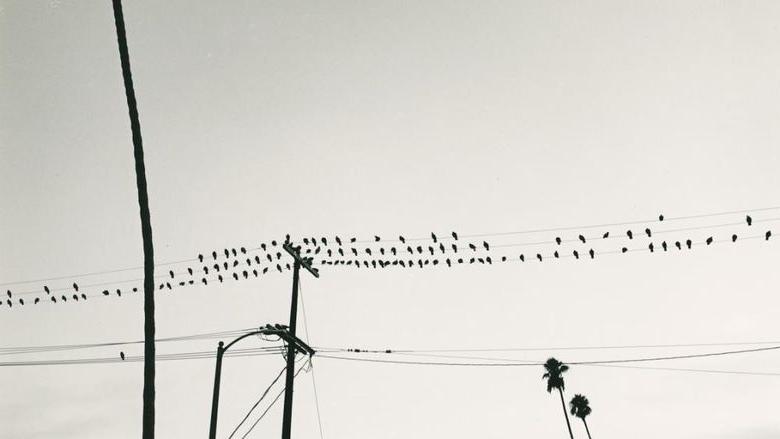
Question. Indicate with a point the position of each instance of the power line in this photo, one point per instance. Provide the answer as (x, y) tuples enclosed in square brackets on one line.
[(281, 392), (536, 363), (268, 389), (308, 340), (443, 237)]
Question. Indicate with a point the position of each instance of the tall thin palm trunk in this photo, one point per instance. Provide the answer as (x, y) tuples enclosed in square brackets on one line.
[(563, 404), (586, 427), (146, 226)]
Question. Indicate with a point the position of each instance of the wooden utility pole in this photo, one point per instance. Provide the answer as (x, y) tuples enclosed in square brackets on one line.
[(290, 377), (146, 225)]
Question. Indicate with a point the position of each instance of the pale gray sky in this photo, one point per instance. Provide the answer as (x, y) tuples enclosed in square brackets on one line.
[(363, 118)]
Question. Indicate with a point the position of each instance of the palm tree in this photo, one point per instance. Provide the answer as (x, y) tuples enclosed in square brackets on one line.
[(146, 227), (580, 407), (554, 376)]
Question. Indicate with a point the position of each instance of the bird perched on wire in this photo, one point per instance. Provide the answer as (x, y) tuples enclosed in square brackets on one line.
[(122, 355), (472, 247), (454, 236), (558, 240), (454, 248), (433, 236), (576, 254), (663, 244), (630, 234), (539, 257), (688, 243), (377, 239), (678, 245), (45, 288), (486, 245), (75, 286), (592, 253), (749, 220), (605, 235), (651, 247), (709, 240), (214, 255), (624, 249), (734, 238), (200, 258), (555, 254), (649, 233), (582, 238), (402, 239), (338, 240), (767, 235)]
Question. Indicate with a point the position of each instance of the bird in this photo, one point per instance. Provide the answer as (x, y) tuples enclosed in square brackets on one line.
[(376, 238), (204, 281), (419, 249), (64, 299), (576, 254), (582, 238), (402, 239), (368, 251), (630, 234), (171, 273), (11, 304), (338, 240), (605, 235), (767, 235), (433, 236), (243, 250), (353, 239), (262, 246), (235, 263), (486, 245), (454, 236), (273, 243), (21, 301), (591, 253), (441, 247), (454, 248), (8, 292), (709, 240), (265, 270), (200, 258), (37, 299), (663, 244), (449, 263), (189, 270), (749, 220), (430, 249), (219, 277), (354, 251), (558, 240), (624, 249), (105, 292), (235, 253), (53, 299), (46, 288), (76, 298), (75, 286), (83, 296), (651, 247), (341, 251), (306, 241), (324, 241), (734, 238), (688, 243), (678, 245), (214, 255), (279, 267), (205, 270), (503, 258), (660, 217), (472, 247), (168, 285), (649, 233), (556, 255), (227, 253), (122, 355)]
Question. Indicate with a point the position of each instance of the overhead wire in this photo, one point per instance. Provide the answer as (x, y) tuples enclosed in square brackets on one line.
[(263, 395), (308, 340), (262, 415)]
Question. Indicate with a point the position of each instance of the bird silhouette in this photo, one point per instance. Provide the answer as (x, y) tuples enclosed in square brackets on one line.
[(64, 299), (135, 289), (522, 258), (235, 276), (265, 270), (11, 304), (353, 240), (734, 238), (204, 281), (449, 263), (243, 250), (219, 277), (227, 253), (576, 254), (433, 236), (630, 234), (76, 298), (306, 241), (330, 253), (37, 299), (205, 270), (663, 244), (53, 299), (460, 260), (419, 249), (454, 248), (486, 245), (688, 243), (171, 273), (368, 251), (83, 296), (246, 274), (341, 251), (558, 240), (168, 285), (441, 247), (749, 220), (235, 253), (263, 246), (660, 217), (503, 258), (189, 270), (354, 251), (402, 239), (649, 233), (555, 254), (605, 235), (454, 236), (235, 263), (592, 253), (376, 238), (8, 292), (651, 247), (678, 245), (214, 255), (767, 235), (709, 240), (75, 286), (200, 258), (430, 249), (21, 301), (122, 355), (624, 249), (45, 288), (324, 241), (338, 240), (473, 247), (105, 292), (279, 267), (539, 257), (582, 238)]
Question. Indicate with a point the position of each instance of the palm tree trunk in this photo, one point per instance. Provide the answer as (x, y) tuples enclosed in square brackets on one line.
[(146, 227), (586, 427), (563, 403)]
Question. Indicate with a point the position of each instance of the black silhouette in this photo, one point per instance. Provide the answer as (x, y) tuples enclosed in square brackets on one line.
[(734, 238), (75, 286), (649, 233), (660, 217), (749, 220), (582, 238), (558, 240), (624, 249), (122, 355), (663, 244), (377, 239), (433, 236), (688, 243), (767, 235), (580, 407), (651, 247), (592, 253), (554, 371), (454, 236), (539, 257), (630, 234), (709, 240), (605, 235), (200, 258)]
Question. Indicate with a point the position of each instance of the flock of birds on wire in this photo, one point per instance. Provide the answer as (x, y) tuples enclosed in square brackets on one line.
[(240, 264)]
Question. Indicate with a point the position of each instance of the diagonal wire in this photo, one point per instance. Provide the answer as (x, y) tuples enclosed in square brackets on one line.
[(268, 389), (271, 405), (308, 340)]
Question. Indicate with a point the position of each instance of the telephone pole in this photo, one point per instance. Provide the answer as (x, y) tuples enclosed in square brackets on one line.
[(295, 252)]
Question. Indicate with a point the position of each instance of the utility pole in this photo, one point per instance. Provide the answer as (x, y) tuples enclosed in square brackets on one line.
[(290, 377)]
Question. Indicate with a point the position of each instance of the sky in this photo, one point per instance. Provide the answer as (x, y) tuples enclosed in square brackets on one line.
[(350, 118)]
